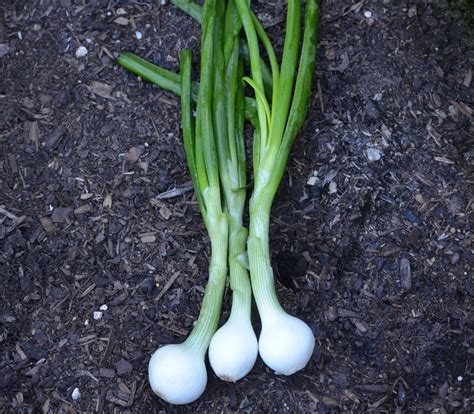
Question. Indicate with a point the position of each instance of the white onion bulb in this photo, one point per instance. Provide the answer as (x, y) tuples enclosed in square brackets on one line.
[(286, 343), (233, 349), (177, 374)]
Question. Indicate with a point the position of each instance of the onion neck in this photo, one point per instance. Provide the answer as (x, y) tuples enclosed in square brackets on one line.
[(207, 322), (239, 276), (263, 282)]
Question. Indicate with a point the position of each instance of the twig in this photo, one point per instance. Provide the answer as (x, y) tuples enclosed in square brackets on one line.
[(168, 285), (8, 214), (320, 95)]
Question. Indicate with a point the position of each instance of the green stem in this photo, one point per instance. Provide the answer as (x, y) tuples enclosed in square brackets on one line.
[(219, 97), (263, 283), (190, 7), (266, 72), (208, 320), (232, 157), (167, 79), (164, 78), (205, 131), (299, 105), (195, 11), (252, 40), (239, 276), (287, 75), (187, 125)]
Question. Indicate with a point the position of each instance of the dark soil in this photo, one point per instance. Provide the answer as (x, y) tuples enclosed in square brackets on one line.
[(376, 254)]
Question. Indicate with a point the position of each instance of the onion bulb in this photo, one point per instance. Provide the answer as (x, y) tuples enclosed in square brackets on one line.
[(177, 374), (286, 343), (233, 350)]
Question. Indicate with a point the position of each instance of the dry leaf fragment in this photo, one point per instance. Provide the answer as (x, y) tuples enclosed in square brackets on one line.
[(107, 203), (344, 64), (165, 212), (61, 214), (175, 192), (122, 21), (149, 238), (462, 108), (101, 89), (48, 225), (360, 325), (134, 153), (467, 79), (355, 7), (83, 209), (349, 394), (34, 134), (444, 160), (386, 133), (434, 134)]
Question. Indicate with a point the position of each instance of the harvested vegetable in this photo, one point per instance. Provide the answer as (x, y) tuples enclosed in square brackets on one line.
[(234, 348), (215, 153), (286, 343), (177, 373)]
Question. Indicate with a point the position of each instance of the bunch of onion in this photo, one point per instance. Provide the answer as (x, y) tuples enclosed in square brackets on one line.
[(215, 152)]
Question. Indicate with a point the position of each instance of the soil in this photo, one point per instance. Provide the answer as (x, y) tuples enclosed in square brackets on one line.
[(370, 233)]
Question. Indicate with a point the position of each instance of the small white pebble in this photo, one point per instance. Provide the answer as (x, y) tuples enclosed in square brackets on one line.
[(377, 97), (76, 394), (89, 39), (138, 35), (86, 322), (104, 307), (81, 52), (373, 154), (20, 36), (368, 14), (98, 315), (332, 187), (313, 180), (460, 378)]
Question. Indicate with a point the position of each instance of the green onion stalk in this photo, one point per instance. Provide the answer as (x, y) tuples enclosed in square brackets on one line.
[(286, 343), (234, 348), (177, 372)]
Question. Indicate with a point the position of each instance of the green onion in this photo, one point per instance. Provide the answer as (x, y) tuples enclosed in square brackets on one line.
[(285, 343), (234, 348), (177, 372)]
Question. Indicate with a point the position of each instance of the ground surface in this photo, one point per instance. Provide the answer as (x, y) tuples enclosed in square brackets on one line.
[(375, 255)]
